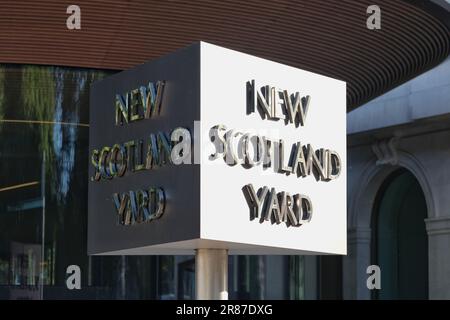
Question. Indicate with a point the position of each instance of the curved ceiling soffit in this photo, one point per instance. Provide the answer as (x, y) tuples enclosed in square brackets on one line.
[(329, 37)]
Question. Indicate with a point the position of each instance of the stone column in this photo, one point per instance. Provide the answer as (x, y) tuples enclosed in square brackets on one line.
[(438, 230), (355, 264), (211, 274)]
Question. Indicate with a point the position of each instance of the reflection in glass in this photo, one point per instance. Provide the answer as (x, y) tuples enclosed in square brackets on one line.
[(44, 131)]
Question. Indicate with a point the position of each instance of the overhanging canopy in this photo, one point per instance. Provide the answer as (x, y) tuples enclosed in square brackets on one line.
[(327, 37)]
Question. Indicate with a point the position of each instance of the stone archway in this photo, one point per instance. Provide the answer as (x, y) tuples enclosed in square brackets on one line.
[(360, 211), (399, 243)]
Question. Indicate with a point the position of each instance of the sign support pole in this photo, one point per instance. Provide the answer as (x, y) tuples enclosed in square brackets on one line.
[(211, 274)]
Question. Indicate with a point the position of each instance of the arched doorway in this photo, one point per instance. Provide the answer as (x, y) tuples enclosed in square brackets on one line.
[(400, 245)]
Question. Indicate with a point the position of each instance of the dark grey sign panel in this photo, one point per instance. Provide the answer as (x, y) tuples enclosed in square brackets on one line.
[(180, 107)]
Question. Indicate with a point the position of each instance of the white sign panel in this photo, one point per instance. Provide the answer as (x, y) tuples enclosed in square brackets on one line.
[(303, 110)]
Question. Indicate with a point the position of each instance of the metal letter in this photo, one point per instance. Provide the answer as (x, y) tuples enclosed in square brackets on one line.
[(251, 97), (255, 201), (265, 102), (152, 153), (280, 167), (139, 156), (152, 98), (130, 154), (102, 163), (95, 163), (296, 107), (334, 167), (121, 204), (268, 153), (272, 210), (164, 149), (231, 156), (134, 208), (303, 208), (142, 200), (286, 209), (259, 149), (278, 103), (157, 202), (320, 162), (135, 103), (317, 162), (113, 168), (299, 162), (121, 109), (218, 140)]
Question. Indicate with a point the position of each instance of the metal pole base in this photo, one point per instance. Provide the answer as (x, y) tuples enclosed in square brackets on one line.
[(211, 274)]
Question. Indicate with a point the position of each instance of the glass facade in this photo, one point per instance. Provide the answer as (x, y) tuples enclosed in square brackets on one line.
[(44, 130)]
